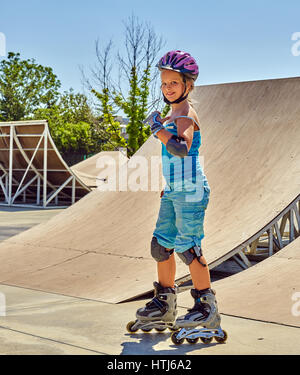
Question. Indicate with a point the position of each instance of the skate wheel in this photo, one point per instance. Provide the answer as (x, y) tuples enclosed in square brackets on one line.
[(222, 340), (206, 340), (192, 341), (175, 340), (146, 330), (160, 329), (130, 325), (173, 329)]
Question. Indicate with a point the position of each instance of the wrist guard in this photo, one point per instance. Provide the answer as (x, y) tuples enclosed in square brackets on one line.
[(154, 121)]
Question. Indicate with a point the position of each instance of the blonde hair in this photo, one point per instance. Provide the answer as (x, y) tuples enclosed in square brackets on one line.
[(192, 83)]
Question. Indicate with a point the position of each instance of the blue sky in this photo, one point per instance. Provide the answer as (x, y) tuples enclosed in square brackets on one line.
[(232, 40)]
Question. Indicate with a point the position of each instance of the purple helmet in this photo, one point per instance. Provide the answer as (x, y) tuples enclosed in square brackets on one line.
[(181, 62)]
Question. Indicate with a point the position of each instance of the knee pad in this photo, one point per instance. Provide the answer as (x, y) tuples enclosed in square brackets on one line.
[(158, 252), (189, 255)]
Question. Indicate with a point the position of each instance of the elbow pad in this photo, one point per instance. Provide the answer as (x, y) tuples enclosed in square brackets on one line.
[(177, 146)]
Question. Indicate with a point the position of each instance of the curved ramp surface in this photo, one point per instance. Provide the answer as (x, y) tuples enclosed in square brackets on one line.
[(268, 291), (99, 248), (89, 169), (32, 172)]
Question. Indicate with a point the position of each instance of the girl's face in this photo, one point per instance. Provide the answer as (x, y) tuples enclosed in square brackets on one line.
[(172, 85)]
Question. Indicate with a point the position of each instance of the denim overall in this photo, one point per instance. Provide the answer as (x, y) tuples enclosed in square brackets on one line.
[(186, 195)]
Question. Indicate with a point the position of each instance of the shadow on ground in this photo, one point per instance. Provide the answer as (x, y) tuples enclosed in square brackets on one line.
[(148, 341)]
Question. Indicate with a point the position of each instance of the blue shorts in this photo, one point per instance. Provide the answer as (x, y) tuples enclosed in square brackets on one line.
[(180, 221)]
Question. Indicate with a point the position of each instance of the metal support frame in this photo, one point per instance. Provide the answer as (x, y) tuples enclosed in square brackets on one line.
[(273, 237), (10, 171), (41, 191)]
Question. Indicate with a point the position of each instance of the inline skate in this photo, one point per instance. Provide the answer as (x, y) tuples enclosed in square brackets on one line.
[(204, 313), (160, 313)]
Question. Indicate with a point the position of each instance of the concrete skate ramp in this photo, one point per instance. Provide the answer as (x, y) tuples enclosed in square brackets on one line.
[(268, 291), (99, 248), (88, 249), (37, 164), (88, 170)]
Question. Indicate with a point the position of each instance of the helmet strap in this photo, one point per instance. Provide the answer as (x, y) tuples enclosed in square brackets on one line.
[(179, 100)]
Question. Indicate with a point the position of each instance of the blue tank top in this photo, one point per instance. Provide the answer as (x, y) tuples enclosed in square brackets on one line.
[(178, 170)]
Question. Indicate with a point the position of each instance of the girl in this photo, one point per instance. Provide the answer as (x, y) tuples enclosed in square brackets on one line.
[(179, 226)]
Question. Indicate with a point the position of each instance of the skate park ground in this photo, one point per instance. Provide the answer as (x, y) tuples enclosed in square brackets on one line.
[(14, 220), (36, 322)]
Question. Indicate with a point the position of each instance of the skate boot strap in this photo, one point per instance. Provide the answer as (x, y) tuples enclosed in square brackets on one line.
[(155, 301), (199, 307)]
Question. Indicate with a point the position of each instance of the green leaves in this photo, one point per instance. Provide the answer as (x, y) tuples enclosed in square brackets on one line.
[(72, 124), (25, 86), (133, 90), (111, 127), (73, 137), (135, 107)]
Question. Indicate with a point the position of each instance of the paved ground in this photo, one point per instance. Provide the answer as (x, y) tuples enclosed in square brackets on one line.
[(44, 323), (14, 220)]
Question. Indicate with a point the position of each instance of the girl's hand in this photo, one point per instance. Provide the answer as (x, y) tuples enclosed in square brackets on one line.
[(155, 122)]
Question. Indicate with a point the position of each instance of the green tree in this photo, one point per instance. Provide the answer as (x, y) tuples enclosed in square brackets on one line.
[(165, 110), (132, 90), (73, 137), (142, 47), (74, 107), (111, 128), (107, 127), (24, 87), (72, 124), (130, 106)]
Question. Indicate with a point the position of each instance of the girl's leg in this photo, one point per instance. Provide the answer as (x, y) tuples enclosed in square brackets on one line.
[(200, 274), (163, 307), (165, 233), (166, 272), (189, 222)]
